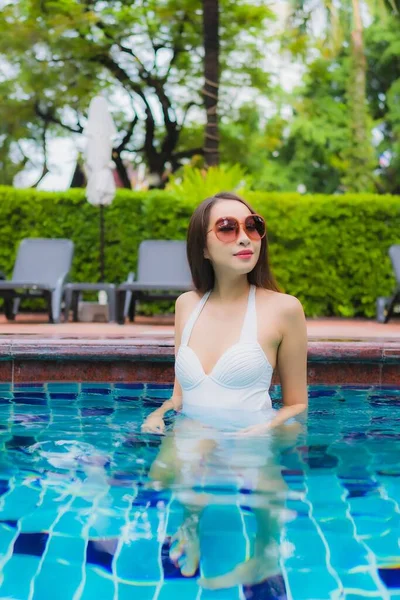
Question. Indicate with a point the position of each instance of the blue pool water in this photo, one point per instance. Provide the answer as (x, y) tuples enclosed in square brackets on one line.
[(78, 519)]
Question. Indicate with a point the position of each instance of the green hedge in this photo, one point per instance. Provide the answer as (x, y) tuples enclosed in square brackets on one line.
[(329, 251)]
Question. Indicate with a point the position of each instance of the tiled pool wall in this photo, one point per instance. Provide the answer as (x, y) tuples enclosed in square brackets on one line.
[(145, 360)]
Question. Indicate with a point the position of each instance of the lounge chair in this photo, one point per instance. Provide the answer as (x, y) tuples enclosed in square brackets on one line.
[(385, 306), (162, 274), (40, 270)]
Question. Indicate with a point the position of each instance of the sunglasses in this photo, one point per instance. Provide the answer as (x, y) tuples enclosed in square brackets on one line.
[(227, 228)]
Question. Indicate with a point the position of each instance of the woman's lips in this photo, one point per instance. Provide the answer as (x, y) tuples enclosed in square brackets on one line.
[(244, 255)]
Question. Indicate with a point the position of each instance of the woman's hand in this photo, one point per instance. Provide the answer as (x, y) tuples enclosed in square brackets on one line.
[(155, 421), (254, 430), (263, 428), (154, 424)]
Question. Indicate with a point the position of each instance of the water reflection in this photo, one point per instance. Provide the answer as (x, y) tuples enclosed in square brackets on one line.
[(217, 475)]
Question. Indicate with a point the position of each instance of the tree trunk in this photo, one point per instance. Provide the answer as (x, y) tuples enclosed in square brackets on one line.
[(121, 170), (359, 75), (361, 156), (211, 76)]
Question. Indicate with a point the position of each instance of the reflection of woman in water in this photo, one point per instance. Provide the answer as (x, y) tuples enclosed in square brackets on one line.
[(229, 336)]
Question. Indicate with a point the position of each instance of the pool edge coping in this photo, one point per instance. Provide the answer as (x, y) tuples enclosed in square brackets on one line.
[(139, 349)]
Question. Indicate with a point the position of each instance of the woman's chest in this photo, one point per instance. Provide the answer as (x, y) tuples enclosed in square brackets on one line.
[(211, 339)]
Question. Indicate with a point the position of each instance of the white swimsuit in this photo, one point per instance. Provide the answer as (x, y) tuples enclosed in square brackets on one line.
[(233, 396), (237, 387)]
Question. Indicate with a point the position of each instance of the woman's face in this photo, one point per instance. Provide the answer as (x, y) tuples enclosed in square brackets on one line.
[(225, 255)]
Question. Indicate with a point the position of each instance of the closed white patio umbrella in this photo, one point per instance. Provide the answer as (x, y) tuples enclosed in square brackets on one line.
[(100, 191)]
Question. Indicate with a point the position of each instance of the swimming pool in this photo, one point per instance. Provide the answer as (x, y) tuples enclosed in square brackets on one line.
[(77, 520)]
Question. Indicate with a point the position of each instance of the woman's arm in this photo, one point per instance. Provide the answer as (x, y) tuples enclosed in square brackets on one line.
[(154, 423), (292, 366)]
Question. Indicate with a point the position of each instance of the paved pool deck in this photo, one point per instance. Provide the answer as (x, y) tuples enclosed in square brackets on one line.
[(27, 325)]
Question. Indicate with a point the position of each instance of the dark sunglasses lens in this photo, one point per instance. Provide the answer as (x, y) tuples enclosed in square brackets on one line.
[(255, 227), (226, 229)]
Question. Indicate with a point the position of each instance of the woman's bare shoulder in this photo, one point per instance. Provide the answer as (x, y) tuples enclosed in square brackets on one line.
[(284, 304), (187, 301)]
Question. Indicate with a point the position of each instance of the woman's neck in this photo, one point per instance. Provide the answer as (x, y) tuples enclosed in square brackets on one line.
[(230, 290)]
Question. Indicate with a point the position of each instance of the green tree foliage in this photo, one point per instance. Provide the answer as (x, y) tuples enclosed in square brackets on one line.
[(146, 55), (312, 143), (383, 89), (342, 29)]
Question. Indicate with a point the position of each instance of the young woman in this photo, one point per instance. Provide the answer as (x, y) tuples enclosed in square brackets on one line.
[(230, 335)]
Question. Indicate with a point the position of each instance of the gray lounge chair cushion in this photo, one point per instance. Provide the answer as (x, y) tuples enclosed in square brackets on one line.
[(162, 265), (41, 264)]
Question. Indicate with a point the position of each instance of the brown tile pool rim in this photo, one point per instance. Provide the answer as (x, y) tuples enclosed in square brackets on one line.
[(151, 360)]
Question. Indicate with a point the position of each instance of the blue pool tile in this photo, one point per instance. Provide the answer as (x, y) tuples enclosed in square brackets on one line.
[(129, 386), (70, 523), (70, 387), (29, 386), (14, 586), (97, 586), (102, 526), (39, 519), (19, 502), (89, 399), (371, 507), (312, 584), (103, 389), (386, 546), (6, 397), (139, 557), (339, 481), (387, 386), (133, 396), (390, 577), (8, 535), (101, 552), (188, 589), (4, 486), (322, 393), (232, 593), (59, 566), (57, 396), (163, 394), (32, 544), (346, 553), (158, 386), (29, 398), (356, 580), (20, 441), (135, 591), (224, 540), (102, 411), (351, 386)]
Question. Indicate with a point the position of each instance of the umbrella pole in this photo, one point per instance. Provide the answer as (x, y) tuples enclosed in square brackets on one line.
[(101, 242)]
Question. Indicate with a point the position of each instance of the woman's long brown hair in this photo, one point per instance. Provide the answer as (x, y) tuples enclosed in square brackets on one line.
[(201, 268)]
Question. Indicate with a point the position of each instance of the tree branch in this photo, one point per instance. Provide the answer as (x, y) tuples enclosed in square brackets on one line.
[(187, 108), (50, 118), (45, 168), (122, 76), (128, 134), (187, 153)]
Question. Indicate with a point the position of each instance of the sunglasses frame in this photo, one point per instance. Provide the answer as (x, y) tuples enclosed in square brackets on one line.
[(240, 224)]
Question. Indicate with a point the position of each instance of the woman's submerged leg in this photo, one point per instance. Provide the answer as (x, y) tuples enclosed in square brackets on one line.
[(264, 562), (268, 491), (180, 463)]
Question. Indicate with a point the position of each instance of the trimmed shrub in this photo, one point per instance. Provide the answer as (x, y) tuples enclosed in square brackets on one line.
[(329, 251)]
